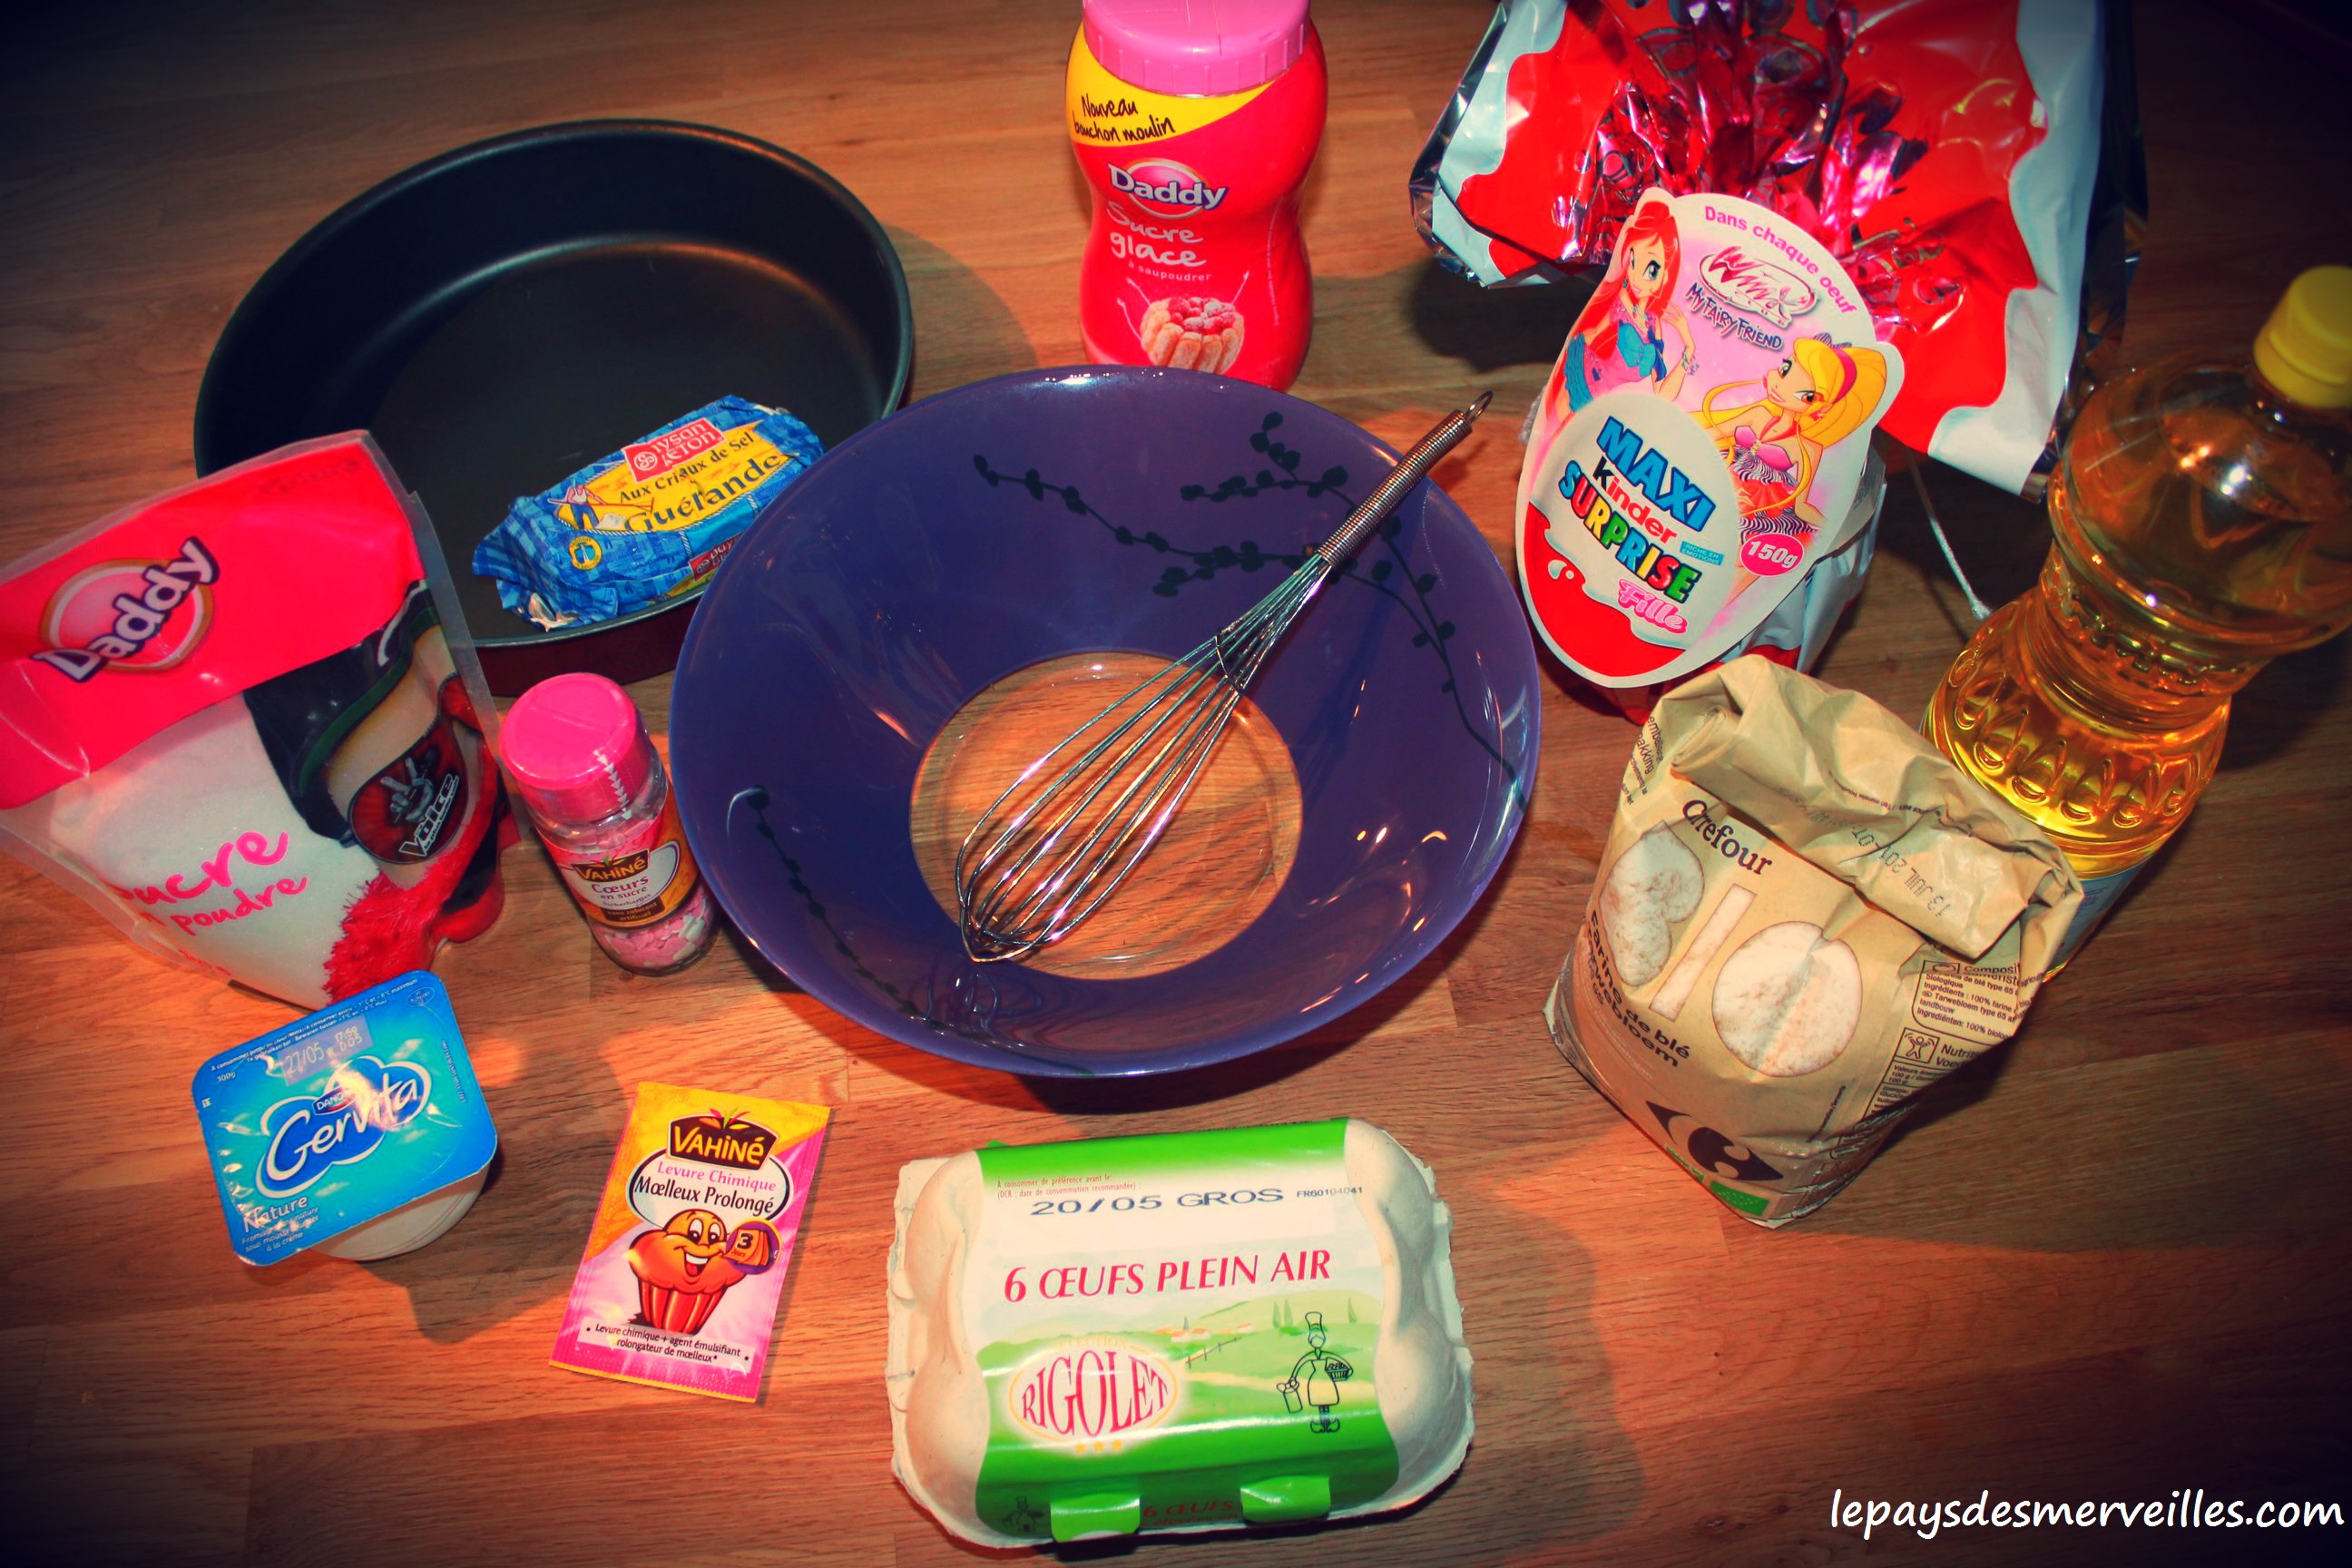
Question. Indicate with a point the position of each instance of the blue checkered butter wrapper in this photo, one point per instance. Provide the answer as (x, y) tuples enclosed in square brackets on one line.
[(360, 1109), (648, 522)]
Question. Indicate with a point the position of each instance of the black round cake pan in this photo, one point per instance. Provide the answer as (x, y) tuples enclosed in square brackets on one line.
[(506, 314)]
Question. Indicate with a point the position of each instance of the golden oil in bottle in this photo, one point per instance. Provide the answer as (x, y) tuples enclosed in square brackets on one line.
[(2203, 524)]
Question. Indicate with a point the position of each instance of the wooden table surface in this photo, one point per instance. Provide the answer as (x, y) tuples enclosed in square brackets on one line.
[(2108, 1263)]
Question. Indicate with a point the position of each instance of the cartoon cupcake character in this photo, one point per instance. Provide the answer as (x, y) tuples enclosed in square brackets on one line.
[(685, 1268)]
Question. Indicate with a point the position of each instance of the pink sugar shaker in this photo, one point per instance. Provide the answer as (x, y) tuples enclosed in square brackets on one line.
[(583, 767)]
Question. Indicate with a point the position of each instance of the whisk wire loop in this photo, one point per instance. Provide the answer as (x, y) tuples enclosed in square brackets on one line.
[(1049, 850), (1045, 887), (984, 902), (1089, 860)]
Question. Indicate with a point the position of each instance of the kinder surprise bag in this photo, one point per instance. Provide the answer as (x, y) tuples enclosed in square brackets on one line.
[(1804, 915), (1973, 166), (231, 719)]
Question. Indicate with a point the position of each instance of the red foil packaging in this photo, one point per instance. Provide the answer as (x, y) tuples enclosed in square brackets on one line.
[(1973, 168)]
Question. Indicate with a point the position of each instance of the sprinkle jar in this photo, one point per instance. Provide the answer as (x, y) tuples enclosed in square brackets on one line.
[(583, 767)]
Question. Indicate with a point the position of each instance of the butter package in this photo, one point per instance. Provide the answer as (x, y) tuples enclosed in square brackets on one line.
[(692, 1241), (648, 522), (359, 1131), (1177, 1332)]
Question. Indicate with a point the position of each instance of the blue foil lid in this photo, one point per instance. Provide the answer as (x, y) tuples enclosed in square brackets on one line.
[(339, 1117)]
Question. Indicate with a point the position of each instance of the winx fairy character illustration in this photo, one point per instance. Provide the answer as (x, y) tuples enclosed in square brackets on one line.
[(1817, 396), (1631, 333)]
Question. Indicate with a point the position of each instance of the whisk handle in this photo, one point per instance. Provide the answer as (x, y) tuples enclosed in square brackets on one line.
[(1409, 473)]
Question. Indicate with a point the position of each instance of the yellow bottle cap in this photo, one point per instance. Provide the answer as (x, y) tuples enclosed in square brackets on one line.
[(2305, 348)]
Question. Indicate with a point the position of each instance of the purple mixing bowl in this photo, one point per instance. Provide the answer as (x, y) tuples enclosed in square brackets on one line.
[(1014, 520)]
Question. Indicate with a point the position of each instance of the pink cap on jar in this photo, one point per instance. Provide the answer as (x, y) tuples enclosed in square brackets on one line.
[(1196, 47), (576, 749)]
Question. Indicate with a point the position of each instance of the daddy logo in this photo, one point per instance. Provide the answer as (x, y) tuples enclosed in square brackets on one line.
[(1081, 1389), (1758, 288), (308, 1136), (130, 614), (1166, 188)]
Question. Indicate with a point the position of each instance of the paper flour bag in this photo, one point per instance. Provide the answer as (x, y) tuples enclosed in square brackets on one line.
[(1803, 916), (232, 719)]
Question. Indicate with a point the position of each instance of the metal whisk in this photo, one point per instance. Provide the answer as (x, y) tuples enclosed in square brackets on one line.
[(1046, 854)]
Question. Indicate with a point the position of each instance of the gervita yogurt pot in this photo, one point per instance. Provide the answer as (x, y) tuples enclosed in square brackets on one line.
[(359, 1131)]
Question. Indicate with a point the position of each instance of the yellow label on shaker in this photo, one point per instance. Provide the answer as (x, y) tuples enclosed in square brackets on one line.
[(636, 887), (1105, 110)]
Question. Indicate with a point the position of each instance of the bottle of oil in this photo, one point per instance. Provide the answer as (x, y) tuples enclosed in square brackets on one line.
[(2203, 515)]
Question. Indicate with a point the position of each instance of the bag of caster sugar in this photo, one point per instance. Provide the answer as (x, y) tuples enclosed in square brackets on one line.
[(233, 719), (1804, 915)]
